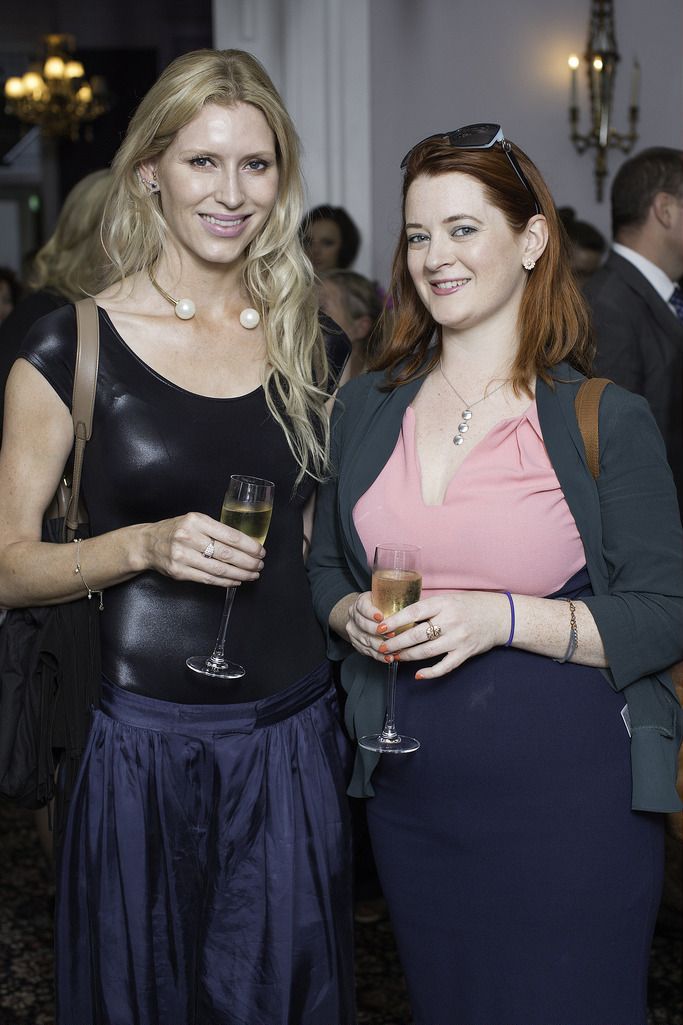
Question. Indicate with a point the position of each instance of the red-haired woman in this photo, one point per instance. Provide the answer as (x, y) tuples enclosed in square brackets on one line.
[(519, 848)]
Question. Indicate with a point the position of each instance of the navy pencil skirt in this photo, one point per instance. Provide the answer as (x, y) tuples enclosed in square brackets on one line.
[(204, 877), (522, 888)]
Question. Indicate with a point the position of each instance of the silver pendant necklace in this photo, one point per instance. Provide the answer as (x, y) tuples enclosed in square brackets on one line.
[(464, 425)]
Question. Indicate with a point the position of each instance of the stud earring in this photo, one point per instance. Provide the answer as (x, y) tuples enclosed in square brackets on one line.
[(528, 263)]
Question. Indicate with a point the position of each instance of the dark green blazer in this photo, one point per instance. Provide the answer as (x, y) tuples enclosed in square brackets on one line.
[(631, 531)]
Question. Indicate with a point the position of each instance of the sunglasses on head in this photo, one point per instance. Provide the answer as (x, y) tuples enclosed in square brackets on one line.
[(481, 136)]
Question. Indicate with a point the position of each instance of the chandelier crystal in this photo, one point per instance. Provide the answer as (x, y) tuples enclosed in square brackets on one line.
[(55, 94)]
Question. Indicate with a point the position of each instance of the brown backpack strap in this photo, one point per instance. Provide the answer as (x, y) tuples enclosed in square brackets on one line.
[(83, 402), (587, 406)]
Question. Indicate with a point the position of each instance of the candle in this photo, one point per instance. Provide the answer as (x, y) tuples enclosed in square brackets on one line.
[(635, 82), (573, 63)]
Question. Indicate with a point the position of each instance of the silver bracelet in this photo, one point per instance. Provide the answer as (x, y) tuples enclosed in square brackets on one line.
[(573, 633), (79, 573)]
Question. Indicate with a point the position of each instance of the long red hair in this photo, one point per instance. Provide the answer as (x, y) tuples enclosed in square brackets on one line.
[(554, 322)]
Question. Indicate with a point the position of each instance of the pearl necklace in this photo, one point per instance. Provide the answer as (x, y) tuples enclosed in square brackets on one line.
[(185, 309), (464, 425)]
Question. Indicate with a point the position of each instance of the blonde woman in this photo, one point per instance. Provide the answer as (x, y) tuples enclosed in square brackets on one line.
[(71, 264), (204, 871)]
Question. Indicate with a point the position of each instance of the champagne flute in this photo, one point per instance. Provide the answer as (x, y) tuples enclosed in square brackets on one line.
[(396, 583), (247, 506)]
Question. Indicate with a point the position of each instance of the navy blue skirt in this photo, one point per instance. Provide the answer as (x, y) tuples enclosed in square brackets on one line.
[(522, 888), (205, 873)]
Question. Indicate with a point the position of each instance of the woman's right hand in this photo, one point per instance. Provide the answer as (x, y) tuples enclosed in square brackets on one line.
[(362, 627), (176, 547)]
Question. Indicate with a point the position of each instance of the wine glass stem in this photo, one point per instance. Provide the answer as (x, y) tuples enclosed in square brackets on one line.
[(389, 731), (219, 650)]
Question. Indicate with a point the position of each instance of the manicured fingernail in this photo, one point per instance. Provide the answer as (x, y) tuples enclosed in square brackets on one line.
[(377, 617), (397, 657), (419, 676), (382, 628), (382, 648), (388, 658), (388, 636)]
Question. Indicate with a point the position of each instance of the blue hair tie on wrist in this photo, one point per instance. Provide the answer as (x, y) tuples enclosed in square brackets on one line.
[(512, 619)]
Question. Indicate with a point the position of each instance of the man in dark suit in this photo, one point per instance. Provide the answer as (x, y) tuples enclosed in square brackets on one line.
[(637, 305)]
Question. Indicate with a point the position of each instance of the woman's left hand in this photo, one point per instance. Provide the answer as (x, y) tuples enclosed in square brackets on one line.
[(457, 626)]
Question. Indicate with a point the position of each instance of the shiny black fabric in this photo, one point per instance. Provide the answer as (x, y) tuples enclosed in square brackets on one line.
[(159, 451), (205, 873)]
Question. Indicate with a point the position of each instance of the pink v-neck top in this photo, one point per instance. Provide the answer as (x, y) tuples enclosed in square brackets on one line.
[(504, 523)]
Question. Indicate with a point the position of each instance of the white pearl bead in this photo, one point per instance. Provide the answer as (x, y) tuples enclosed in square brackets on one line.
[(249, 318), (185, 309)]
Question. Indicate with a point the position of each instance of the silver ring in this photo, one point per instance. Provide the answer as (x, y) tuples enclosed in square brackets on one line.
[(209, 550), (433, 631)]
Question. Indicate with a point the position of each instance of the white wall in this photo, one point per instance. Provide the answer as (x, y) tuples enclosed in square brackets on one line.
[(318, 54), (438, 64)]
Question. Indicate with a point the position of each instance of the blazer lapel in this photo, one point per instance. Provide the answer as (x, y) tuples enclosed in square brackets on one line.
[(661, 311), (368, 444)]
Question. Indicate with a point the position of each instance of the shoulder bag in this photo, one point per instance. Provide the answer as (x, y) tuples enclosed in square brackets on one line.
[(50, 654)]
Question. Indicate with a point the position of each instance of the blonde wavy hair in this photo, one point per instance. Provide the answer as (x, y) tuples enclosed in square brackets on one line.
[(277, 274), (73, 262)]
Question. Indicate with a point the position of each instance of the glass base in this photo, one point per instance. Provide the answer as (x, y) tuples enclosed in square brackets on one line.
[(393, 746), (221, 668)]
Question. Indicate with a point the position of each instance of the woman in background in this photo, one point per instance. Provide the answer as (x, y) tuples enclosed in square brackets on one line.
[(353, 302), (587, 245), (331, 238), (71, 265)]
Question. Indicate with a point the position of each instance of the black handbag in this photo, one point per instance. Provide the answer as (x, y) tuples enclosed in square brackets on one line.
[(50, 655)]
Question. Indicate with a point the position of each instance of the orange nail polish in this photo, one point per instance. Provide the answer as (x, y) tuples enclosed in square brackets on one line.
[(382, 628), (382, 648), (377, 617), (388, 658), (389, 635), (419, 676)]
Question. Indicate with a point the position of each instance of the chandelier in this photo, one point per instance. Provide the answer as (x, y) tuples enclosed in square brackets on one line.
[(601, 59), (55, 94)]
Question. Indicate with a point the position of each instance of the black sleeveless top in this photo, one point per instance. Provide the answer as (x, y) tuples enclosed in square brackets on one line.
[(159, 451)]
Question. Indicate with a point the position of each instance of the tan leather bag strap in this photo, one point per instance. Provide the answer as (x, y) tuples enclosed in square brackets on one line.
[(83, 401), (587, 406)]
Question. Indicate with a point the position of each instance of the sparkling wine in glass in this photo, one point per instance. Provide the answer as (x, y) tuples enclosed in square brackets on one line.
[(247, 506), (396, 583)]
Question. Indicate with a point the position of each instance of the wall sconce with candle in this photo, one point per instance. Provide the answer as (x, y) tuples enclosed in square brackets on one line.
[(601, 59)]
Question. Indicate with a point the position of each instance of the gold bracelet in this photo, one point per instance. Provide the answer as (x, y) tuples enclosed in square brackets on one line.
[(573, 633), (79, 573)]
